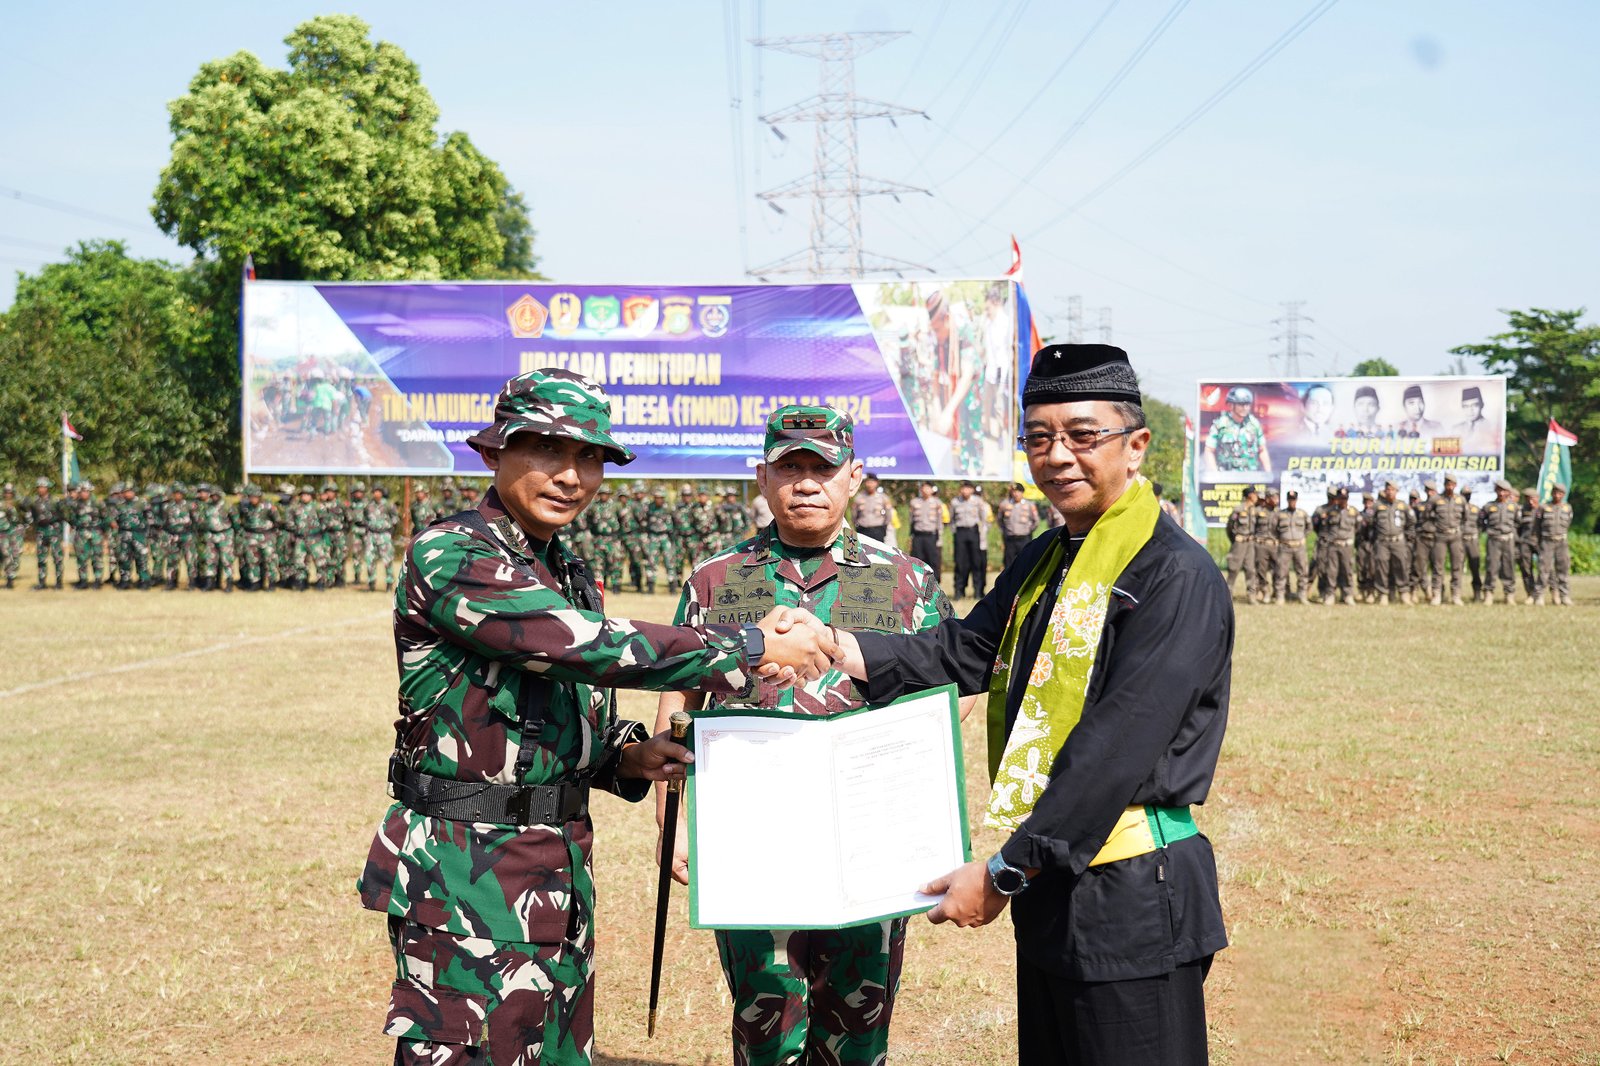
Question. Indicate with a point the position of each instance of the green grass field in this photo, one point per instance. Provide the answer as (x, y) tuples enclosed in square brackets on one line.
[(1405, 817)]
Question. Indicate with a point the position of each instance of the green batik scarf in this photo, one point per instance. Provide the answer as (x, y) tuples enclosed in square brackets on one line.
[(1053, 702)]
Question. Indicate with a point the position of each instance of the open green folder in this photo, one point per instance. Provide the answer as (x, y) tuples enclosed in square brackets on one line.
[(805, 822)]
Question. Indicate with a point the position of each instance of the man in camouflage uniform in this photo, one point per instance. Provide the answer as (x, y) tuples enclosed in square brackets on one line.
[(1528, 546), (733, 521), (633, 509), (11, 533), (330, 545), (1393, 523), (483, 864), (90, 522), (1555, 560), (177, 519), (134, 521), (422, 510), (1289, 529), (684, 525), (1241, 544), (45, 516), (1498, 521), (1266, 547), (355, 533), (379, 518), (582, 542), (660, 548), (1447, 515), (1236, 442), (809, 996), (215, 519), (160, 545), (259, 519), (304, 527), (704, 516), (1469, 542), (1340, 524), (610, 557)]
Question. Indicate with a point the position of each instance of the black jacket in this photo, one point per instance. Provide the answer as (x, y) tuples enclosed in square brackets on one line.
[(1152, 726)]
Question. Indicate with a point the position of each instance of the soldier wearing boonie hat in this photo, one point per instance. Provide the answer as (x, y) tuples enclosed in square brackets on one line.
[(808, 995), (46, 516), (11, 534), (482, 863)]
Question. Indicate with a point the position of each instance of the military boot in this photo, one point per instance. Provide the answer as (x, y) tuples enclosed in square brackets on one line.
[(1436, 598), (227, 583), (1538, 599), (58, 581), (1455, 601)]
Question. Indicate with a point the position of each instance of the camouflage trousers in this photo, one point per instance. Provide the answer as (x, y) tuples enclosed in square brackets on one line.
[(609, 561), (662, 552), (259, 561), (11, 552), (89, 552), (377, 550), (216, 555), (812, 996), (307, 554), (185, 550), (465, 999), (334, 558), (48, 546), (133, 556), (638, 559), (160, 542)]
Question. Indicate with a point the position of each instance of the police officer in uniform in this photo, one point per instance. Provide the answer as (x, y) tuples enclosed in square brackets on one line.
[(927, 522), (1393, 525), (1555, 561), (968, 518), (1498, 521), (1447, 515), (1266, 539), (1289, 528), (1528, 547), (1469, 542), (871, 510), (1340, 525)]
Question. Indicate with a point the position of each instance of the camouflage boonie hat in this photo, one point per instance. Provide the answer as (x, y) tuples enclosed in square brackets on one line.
[(822, 430), (42, 483), (559, 403), (330, 485), (305, 490), (251, 490)]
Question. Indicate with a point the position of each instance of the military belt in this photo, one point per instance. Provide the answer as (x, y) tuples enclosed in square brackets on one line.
[(1502, 536), (1290, 543), (482, 801), (1553, 537), (1142, 830), (1347, 543)]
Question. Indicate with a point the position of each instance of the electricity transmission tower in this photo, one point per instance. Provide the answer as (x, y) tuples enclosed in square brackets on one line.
[(1074, 319), (1292, 336), (1105, 325), (835, 185)]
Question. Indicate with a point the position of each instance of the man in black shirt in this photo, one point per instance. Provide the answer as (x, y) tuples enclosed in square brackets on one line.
[(1113, 890)]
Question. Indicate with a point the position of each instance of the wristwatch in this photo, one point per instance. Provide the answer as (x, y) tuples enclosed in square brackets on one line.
[(755, 645), (1007, 879)]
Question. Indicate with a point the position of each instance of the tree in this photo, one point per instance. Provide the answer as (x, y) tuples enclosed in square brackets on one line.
[(1552, 367), (1375, 368), (1164, 461), (102, 336), (331, 169)]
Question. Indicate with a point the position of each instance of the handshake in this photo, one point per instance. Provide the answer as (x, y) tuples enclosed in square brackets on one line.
[(800, 647)]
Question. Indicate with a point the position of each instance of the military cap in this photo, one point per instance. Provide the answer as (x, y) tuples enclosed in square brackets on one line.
[(686, 491), (1391, 485), (306, 490), (359, 486), (420, 490), (1502, 483), (378, 490), (42, 483), (286, 486), (1466, 491), (818, 429), (87, 486), (1341, 491), (1293, 495), (659, 491), (251, 490), (237, 488), (1558, 487), (447, 483), (179, 489), (605, 489), (9, 487), (1249, 490), (638, 486), (329, 485), (154, 489), (559, 403), (1065, 373)]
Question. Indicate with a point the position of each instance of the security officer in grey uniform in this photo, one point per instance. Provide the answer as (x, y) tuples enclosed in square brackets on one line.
[(1289, 528), (1498, 521), (1393, 525), (1469, 542), (1528, 546), (1340, 523), (1448, 514), (1242, 544), (1266, 539), (1422, 542), (1555, 561), (1319, 579)]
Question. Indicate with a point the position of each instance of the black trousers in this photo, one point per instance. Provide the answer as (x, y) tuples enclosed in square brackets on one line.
[(1151, 1021), (925, 546), (1014, 546), (878, 533), (970, 562)]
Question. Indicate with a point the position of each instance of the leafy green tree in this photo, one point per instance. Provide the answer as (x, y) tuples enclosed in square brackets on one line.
[(1164, 461), (102, 335), (330, 169), (1375, 368), (1552, 366)]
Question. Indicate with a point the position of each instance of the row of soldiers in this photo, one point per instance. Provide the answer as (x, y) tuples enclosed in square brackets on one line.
[(167, 533), (1392, 551), (633, 537)]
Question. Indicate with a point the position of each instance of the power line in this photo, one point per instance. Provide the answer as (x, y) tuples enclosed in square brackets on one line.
[(38, 246), (733, 43), (1262, 59), (69, 209), (978, 79), (927, 42)]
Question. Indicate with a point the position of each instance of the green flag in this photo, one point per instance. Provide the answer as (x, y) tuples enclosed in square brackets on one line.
[(1194, 511), (1557, 468)]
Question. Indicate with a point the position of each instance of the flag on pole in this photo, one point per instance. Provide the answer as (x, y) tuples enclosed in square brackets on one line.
[(1557, 467), (249, 267), (70, 473), (1194, 512), (1027, 329), (1015, 270), (67, 430)]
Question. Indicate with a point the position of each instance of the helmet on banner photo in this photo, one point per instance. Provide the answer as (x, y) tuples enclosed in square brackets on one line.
[(1240, 394)]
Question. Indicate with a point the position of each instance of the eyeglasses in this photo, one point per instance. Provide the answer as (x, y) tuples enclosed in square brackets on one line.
[(1077, 440)]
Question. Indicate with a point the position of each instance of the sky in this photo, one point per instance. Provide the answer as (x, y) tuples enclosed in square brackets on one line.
[(1408, 170)]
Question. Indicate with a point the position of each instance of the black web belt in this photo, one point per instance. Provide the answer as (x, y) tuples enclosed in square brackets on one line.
[(481, 801)]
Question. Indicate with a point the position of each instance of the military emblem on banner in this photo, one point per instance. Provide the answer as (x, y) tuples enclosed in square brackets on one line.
[(527, 317), (566, 311), (640, 314), (716, 312), (676, 315), (602, 313)]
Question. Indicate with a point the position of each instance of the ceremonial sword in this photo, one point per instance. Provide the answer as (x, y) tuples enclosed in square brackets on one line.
[(669, 842)]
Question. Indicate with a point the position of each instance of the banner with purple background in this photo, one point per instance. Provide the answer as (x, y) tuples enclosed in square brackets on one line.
[(391, 378)]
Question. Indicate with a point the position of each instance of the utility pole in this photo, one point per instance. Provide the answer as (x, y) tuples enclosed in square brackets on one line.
[(1292, 336), (836, 185), (1105, 325), (1074, 319)]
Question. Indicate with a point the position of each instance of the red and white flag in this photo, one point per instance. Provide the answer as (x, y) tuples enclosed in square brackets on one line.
[(67, 430), (1015, 270), (1564, 437)]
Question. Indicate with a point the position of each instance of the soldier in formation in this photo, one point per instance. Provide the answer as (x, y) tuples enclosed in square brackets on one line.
[(610, 556), (1340, 525), (90, 524), (1446, 518), (259, 519), (1019, 517), (1553, 524), (1240, 528), (216, 521), (661, 550), (1393, 524), (1367, 550), (1266, 539), (1470, 549), (1498, 521), (379, 519), (1290, 527), (11, 534), (927, 524), (44, 514)]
